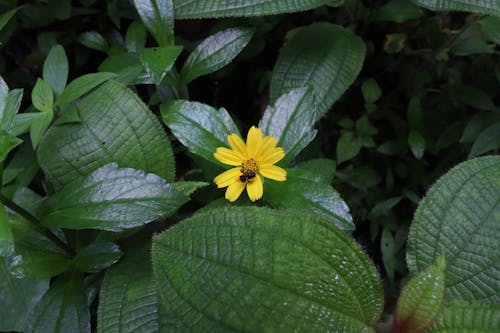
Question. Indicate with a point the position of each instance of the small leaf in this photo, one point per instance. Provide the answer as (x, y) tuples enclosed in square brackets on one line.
[(491, 26), (188, 187), (324, 56), (459, 217), (215, 52), (135, 38), (97, 256), (323, 168), (421, 299), (388, 253), (55, 69), (472, 96), (94, 40), (239, 264), (290, 120), (5, 17), (39, 125), (7, 143), (488, 140), (159, 60), (417, 144), (468, 317), (82, 85), (348, 146), (394, 43), (158, 17), (112, 199), (42, 96), (398, 11), (302, 191), (6, 236), (62, 309), (488, 7), (371, 91), (199, 127), (4, 92), (18, 298)]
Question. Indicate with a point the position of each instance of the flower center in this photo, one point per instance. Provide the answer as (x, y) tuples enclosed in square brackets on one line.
[(249, 170)]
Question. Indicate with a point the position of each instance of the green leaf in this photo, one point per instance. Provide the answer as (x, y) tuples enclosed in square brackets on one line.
[(472, 96), (290, 120), (62, 309), (42, 96), (18, 298), (159, 60), (128, 67), (82, 85), (55, 69), (5, 17), (116, 127), (488, 140), (127, 299), (468, 317), (324, 56), (303, 191), (158, 17), (254, 269), (112, 199), (215, 52), (398, 11), (388, 253), (94, 40), (6, 237), (421, 299), (188, 187), (135, 38), (348, 146), (459, 217), (39, 125), (12, 105), (199, 127), (488, 7), (189, 9), (491, 26), (323, 168), (97, 256), (417, 144), (371, 91), (7, 143)]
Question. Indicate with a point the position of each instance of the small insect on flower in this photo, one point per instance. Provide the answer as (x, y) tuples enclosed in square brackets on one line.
[(252, 160)]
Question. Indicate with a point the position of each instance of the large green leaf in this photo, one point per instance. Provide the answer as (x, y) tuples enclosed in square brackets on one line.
[(18, 298), (460, 216), (215, 52), (304, 191), (62, 309), (55, 69), (489, 7), (290, 120), (112, 199), (117, 127), (188, 9), (468, 317), (127, 300), (255, 269), (324, 56), (158, 17), (199, 127), (421, 299)]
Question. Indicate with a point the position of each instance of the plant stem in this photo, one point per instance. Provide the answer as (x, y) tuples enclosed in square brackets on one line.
[(35, 223)]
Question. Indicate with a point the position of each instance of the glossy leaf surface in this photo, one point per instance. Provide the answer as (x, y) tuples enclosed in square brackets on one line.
[(488, 7), (55, 69), (97, 256), (158, 17), (468, 317), (82, 85), (159, 60)]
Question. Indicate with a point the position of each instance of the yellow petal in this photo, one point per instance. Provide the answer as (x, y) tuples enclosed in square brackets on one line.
[(255, 188), (237, 144), (228, 156), (228, 177), (254, 141), (272, 157), (273, 172), (268, 143), (234, 190)]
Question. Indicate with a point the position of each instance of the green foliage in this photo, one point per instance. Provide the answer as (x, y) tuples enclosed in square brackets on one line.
[(467, 317), (488, 7)]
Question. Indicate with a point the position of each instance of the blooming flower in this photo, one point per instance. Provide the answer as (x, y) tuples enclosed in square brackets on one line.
[(252, 160)]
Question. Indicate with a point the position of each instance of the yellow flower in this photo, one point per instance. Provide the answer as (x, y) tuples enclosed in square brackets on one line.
[(252, 160)]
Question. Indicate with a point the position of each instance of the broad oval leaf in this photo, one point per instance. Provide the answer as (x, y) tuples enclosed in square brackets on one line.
[(255, 269), (460, 216), (158, 17), (488, 7), (290, 120), (421, 299), (199, 127), (188, 9), (62, 309), (215, 52), (55, 69), (324, 56), (468, 317), (112, 199), (487, 140), (304, 191), (97, 256), (117, 127)]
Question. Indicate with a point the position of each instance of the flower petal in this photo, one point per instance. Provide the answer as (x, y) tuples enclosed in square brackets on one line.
[(272, 157), (228, 156), (254, 141), (237, 144), (273, 172), (255, 188), (234, 190), (268, 143), (228, 177)]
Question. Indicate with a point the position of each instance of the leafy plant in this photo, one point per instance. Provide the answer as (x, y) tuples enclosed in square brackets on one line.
[(123, 164)]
